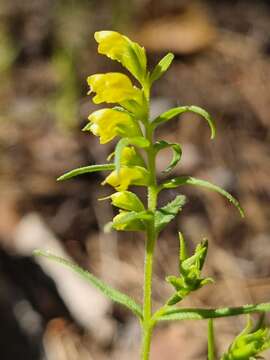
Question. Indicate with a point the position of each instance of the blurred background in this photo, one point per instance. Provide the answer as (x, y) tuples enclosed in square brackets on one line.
[(222, 63)]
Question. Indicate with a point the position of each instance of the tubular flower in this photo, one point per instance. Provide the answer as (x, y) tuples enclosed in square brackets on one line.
[(128, 175), (113, 88), (127, 200), (121, 48), (109, 123), (131, 158)]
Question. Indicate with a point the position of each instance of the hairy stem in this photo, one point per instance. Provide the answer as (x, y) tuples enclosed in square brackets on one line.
[(149, 251)]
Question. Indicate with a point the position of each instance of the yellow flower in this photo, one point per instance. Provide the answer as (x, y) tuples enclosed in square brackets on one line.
[(128, 175), (113, 88), (127, 200), (130, 157), (121, 48), (133, 225), (108, 123)]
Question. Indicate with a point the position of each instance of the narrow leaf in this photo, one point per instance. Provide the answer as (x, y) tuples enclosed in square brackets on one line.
[(201, 314), (188, 180), (138, 141), (177, 153), (85, 170), (183, 253), (168, 212), (161, 67), (108, 291), (168, 115)]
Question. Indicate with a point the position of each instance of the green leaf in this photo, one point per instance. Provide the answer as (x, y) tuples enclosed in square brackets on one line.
[(183, 253), (108, 291), (188, 180), (161, 67), (173, 313), (138, 141), (177, 152), (85, 170), (168, 115), (168, 212)]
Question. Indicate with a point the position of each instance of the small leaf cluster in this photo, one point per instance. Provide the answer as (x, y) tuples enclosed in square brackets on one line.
[(249, 344), (190, 268)]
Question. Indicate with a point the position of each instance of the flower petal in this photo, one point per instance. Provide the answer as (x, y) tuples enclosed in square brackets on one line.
[(119, 47), (113, 88), (128, 175), (109, 123)]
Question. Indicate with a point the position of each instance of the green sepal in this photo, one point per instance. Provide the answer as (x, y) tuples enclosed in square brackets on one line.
[(131, 220), (168, 115), (168, 212), (177, 152), (161, 67), (138, 141), (189, 180), (249, 343), (127, 200), (86, 170), (190, 268), (108, 291)]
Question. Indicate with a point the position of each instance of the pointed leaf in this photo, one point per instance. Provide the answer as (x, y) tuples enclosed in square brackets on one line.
[(85, 170), (168, 212), (183, 254), (188, 180), (168, 115), (161, 67), (174, 313), (177, 153), (108, 291)]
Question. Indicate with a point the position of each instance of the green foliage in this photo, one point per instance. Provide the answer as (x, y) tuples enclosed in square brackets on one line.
[(161, 67), (177, 152), (188, 180), (249, 344), (168, 212), (86, 170), (190, 268), (172, 313), (135, 156), (168, 115), (109, 292)]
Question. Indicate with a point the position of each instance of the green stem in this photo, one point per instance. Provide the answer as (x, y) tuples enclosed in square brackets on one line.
[(147, 324), (211, 340)]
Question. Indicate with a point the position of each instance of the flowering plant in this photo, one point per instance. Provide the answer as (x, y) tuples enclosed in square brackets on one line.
[(134, 163)]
